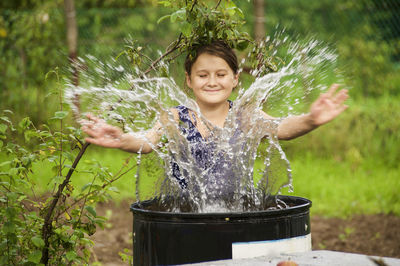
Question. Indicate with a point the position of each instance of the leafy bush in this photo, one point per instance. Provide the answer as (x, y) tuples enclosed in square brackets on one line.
[(31, 44), (367, 131), (50, 229)]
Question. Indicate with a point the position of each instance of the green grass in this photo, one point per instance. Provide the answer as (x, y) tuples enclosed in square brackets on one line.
[(339, 188), (336, 188), (111, 159)]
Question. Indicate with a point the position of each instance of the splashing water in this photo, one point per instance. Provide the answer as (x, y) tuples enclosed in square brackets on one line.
[(241, 166)]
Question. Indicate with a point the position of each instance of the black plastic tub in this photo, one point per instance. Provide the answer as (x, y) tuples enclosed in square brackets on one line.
[(166, 238)]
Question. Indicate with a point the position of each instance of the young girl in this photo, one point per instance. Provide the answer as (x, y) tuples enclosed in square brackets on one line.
[(212, 74)]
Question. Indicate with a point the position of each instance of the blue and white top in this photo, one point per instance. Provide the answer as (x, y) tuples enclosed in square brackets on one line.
[(216, 163)]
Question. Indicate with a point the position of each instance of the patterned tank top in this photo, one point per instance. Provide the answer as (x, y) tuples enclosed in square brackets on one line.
[(219, 170)]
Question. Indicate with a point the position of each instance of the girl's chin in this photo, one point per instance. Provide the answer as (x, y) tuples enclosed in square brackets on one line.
[(213, 101)]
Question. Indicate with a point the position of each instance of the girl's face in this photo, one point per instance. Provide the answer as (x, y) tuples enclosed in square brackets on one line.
[(211, 80)]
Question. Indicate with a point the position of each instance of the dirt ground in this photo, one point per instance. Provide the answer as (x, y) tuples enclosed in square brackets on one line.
[(377, 235)]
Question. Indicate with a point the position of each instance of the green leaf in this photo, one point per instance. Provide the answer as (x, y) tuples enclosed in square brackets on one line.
[(240, 12), (241, 45), (58, 179), (13, 171), (165, 3), (28, 134), (8, 227), (86, 186), (12, 196), (3, 128), (91, 210), (35, 256), (186, 29), (180, 14), (163, 18), (5, 119), (113, 189), (1, 144), (25, 123), (5, 163), (230, 4), (71, 255), (37, 241), (60, 115), (90, 228)]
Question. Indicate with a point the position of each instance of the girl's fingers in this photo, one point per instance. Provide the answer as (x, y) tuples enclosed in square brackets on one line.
[(90, 132), (111, 130), (91, 122), (341, 109), (332, 89), (336, 97), (87, 123), (341, 96), (322, 97), (93, 118), (100, 133)]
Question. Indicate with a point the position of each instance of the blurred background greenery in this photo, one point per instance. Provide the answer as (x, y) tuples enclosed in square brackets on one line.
[(349, 166)]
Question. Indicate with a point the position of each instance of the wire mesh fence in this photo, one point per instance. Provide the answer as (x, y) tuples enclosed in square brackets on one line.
[(33, 42), (102, 30), (385, 15)]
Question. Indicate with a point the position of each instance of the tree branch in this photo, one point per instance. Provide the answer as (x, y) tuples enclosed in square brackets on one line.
[(48, 219), (219, 2), (168, 52)]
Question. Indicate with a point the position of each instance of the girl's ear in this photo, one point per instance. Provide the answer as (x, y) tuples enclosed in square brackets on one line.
[(235, 80), (188, 82)]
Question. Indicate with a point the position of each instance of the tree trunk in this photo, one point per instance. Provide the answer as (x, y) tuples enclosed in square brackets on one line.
[(259, 27), (72, 38)]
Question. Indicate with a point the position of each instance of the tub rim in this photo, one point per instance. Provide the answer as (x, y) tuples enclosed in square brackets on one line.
[(301, 205)]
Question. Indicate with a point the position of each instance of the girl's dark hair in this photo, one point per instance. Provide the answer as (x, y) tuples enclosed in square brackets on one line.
[(218, 48)]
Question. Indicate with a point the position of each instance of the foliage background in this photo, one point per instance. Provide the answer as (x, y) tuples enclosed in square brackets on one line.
[(365, 33), (349, 166)]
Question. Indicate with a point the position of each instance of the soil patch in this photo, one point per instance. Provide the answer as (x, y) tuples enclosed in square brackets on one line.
[(377, 234)]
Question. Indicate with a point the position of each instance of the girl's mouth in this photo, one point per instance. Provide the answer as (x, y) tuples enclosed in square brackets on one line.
[(212, 90)]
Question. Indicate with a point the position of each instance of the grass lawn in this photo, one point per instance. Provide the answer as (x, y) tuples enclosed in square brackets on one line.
[(336, 188), (342, 189), (113, 160)]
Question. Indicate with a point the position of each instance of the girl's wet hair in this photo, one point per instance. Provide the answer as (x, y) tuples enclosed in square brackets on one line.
[(217, 48)]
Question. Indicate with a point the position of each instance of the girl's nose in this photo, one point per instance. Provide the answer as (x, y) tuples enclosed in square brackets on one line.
[(212, 81)]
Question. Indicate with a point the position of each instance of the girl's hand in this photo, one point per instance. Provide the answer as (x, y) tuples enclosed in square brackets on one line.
[(101, 133), (328, 105)]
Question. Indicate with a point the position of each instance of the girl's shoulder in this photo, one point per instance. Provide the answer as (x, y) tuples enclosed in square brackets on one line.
[(180, 113)]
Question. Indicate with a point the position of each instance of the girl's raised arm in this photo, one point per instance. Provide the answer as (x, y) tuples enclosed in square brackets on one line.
[(105, 135), (327, 107)]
